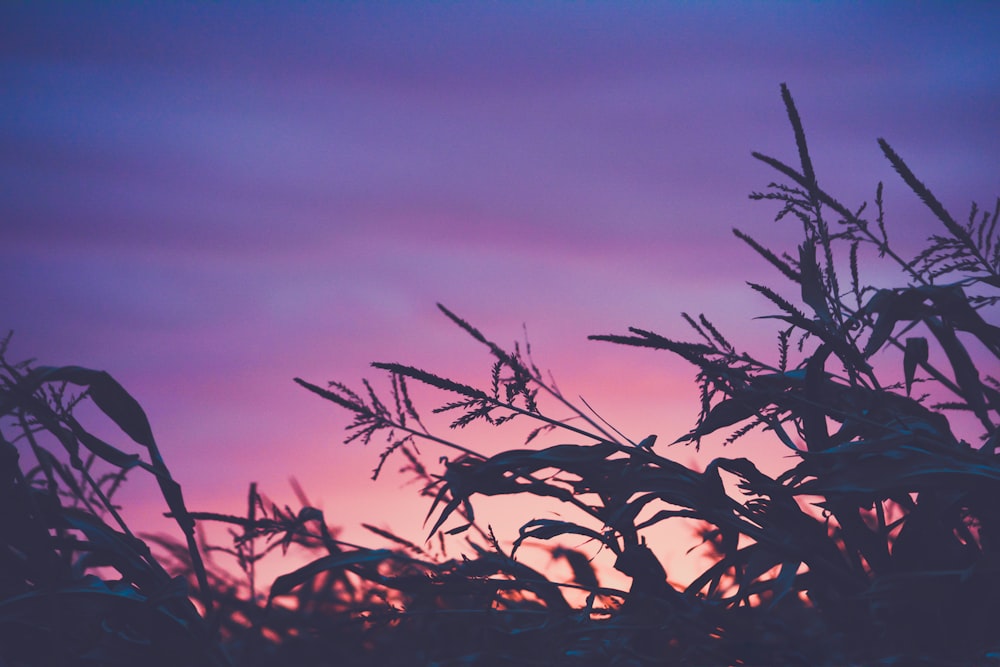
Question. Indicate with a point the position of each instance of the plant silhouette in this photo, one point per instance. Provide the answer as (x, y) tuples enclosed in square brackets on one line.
[(879, 544)]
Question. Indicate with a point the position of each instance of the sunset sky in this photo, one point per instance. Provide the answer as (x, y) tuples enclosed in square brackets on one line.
[(209, 199)]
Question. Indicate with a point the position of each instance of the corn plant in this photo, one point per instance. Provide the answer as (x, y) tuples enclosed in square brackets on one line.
[(878, 545), (77, 586)]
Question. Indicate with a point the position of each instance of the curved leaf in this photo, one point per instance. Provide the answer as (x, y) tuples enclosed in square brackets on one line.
[(726, 413), (546, 529), (286, 582), (915, 354), (107, 394)]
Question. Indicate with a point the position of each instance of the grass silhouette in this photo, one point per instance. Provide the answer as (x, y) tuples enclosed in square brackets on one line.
[(879, 545)]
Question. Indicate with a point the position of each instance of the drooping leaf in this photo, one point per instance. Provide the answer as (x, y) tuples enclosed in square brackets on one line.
[(966, 375), (286, 582), (105, 450), (109, 396), (726, 413), (891, 307), (914, 355), (546, 529)]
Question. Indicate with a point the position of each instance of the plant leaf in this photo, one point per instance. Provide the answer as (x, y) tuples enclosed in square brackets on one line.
[(286, 582), (915, 354)]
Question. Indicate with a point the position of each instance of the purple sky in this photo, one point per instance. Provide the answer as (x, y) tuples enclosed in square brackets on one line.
[(207, 200)]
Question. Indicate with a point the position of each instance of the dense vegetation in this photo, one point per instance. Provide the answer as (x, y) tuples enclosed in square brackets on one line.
[(879, 545)]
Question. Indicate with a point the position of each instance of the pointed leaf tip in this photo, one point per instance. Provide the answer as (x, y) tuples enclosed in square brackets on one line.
[(915, 354)]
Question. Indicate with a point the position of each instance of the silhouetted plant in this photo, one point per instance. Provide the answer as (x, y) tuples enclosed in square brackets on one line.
[(879, 544), (881, 538), (63, 538)]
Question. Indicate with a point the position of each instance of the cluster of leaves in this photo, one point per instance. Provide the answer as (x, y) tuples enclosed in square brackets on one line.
[(77, 587), (881, 538), (879, 545)]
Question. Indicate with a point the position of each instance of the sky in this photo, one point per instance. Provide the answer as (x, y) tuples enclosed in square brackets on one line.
[(210, 199)]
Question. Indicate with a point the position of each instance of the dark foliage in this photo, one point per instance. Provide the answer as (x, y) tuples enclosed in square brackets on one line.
[(879, 545), (63, 537)]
